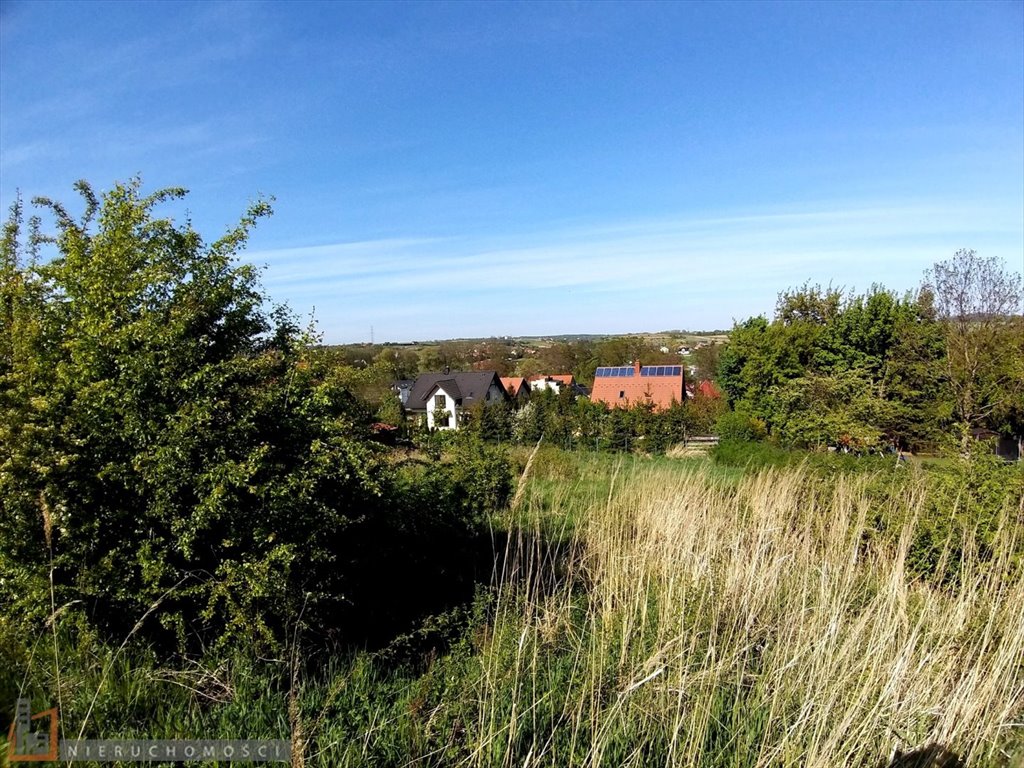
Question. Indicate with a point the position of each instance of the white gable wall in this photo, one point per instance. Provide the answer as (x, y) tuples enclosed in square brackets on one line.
[(495, 394), (449, 407)]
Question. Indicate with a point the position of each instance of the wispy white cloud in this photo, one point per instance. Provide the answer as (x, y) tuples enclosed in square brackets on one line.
[(27, 153), (712, 268)]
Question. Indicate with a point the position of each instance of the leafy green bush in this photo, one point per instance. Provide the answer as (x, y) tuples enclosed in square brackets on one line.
[(739, 425), (168, 443), (747, 454), (967, 503)]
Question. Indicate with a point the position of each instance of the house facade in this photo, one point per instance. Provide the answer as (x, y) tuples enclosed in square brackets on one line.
[(627, 385), (553, 381), (445, 398), (516, 387)]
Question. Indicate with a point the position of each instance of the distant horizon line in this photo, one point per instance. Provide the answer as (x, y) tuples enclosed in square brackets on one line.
[(520, 337)]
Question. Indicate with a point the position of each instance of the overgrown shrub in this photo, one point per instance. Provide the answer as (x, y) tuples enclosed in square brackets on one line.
[(739, 425), (748, 454), (168, 443), (968, 502)]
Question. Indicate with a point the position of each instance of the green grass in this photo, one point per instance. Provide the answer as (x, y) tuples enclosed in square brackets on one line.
[(563, 485), (648, 611)]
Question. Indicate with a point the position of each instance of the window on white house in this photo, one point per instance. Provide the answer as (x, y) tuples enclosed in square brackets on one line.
[(441, 417)]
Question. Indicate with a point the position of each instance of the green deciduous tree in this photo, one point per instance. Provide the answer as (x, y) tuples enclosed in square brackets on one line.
[(978, 301), (762, 356), (162, 435), (707, 360), (881, 351), (841, 409)]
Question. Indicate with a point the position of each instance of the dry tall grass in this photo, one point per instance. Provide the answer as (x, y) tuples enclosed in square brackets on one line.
[(761, 625)]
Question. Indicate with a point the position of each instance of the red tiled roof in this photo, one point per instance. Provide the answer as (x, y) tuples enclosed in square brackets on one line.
[(708, 389), (513, 384), (626, 391)]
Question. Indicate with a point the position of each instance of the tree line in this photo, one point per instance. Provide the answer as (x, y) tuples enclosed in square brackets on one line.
[(373, 367), (567, 420), (930, 369)]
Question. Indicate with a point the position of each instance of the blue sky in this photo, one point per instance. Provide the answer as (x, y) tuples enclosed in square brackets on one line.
[(466, 169)]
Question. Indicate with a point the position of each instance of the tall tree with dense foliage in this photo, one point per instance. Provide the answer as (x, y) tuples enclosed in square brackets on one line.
[(163, 436), (978, 301), (834, 370)]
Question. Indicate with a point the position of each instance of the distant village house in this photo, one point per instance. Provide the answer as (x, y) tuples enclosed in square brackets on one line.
[(705, 388), (446, 398), (626, 386), (516, 387), (555, 382)]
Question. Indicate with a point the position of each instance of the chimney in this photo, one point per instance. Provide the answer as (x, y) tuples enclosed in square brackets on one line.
[(636, 367)]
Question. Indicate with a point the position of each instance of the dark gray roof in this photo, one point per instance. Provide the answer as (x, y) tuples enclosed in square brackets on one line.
[(450, 386), (470, 386)]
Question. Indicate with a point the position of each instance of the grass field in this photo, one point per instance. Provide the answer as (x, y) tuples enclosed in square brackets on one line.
[(646, 612), (750, 623)]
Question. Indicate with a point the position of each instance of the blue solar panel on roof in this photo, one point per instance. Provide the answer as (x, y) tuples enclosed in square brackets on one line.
[(653, 370)]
